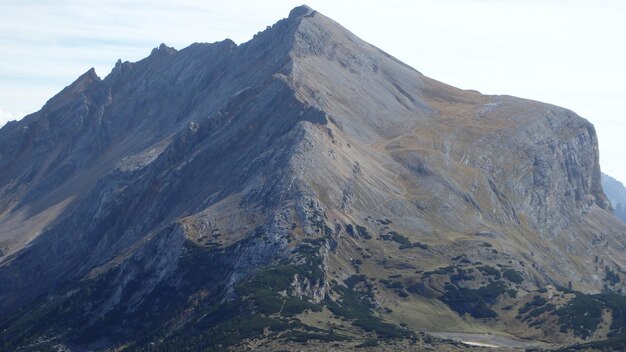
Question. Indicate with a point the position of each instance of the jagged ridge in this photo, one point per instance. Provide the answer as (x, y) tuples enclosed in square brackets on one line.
[(279, 171)]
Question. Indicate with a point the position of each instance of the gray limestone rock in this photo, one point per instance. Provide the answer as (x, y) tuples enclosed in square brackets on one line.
[(159, 189)]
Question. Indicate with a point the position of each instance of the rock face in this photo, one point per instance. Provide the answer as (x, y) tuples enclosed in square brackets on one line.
[(196, 187), (616, 192)]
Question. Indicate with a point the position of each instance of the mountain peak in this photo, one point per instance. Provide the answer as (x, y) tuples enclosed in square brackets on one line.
[(82, 82), (162, 49), (79, 85), (301, 11), (283, 182), (86, 78)]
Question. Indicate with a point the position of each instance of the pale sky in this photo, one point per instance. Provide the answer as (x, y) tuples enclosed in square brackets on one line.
[(565, 52)]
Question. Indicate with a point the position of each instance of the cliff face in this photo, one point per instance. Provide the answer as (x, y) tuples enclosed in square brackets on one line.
[(616, 192), (199, 185)]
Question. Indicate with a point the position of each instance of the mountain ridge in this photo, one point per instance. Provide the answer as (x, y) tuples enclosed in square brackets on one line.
[(303, 169)]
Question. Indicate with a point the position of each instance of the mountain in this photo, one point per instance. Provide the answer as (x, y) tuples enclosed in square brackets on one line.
[(303, 186), (616, 193)]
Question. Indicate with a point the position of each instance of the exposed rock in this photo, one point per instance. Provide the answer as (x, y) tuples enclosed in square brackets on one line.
[(219, 181), (616, 193)]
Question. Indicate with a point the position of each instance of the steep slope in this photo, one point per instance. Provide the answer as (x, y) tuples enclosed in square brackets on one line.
[(616, 193), (303, 185)]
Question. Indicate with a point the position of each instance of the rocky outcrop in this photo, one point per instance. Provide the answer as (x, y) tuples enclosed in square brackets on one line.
[(289, 173)]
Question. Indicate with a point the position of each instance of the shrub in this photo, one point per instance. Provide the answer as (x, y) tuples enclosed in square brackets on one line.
[(303, 337), (492, 291), (356, 303), (350, 230), (363, 232), (489, 270), (368, 343), (397, 284), (582, 315), (513, 276), (296, 305), (617, 304), (473, 301), (396, 237), (425, 247), (537, 301)]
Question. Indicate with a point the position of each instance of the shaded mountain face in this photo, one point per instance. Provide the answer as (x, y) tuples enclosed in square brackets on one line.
[(303, 185), (616, 192)]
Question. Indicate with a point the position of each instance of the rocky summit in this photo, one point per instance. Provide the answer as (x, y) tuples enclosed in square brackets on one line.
[(302, 191)]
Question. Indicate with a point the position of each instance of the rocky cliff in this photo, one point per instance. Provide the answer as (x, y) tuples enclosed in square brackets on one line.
[(304, 182), (616, 192)]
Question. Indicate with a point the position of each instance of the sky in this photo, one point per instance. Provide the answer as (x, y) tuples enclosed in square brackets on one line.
[(565, 52)]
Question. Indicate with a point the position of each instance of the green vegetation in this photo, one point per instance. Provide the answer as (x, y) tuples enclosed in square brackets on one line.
[(540, 310), (489, 270), (260, 307), (304, 336), (317, 220), (617, 305), (611, 344), (368, 343), (617, 335), (538, 301), (473, 301), (513, 276), (359, 231), (611, 276), (420, 288), (356, 304), (535, 308), (440, 271), (402, 240), (264, 288), (420, 245), (461, 275), (492, 291), (582, 315), (296, 305), (263, 305), (398, 286), (362, 231), (276, 277), (230, 324)]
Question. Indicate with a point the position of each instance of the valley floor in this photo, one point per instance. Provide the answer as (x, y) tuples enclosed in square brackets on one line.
[(490, 340)]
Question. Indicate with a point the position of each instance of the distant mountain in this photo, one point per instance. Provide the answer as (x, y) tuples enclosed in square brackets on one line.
[(301, 191), (616, 192)]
